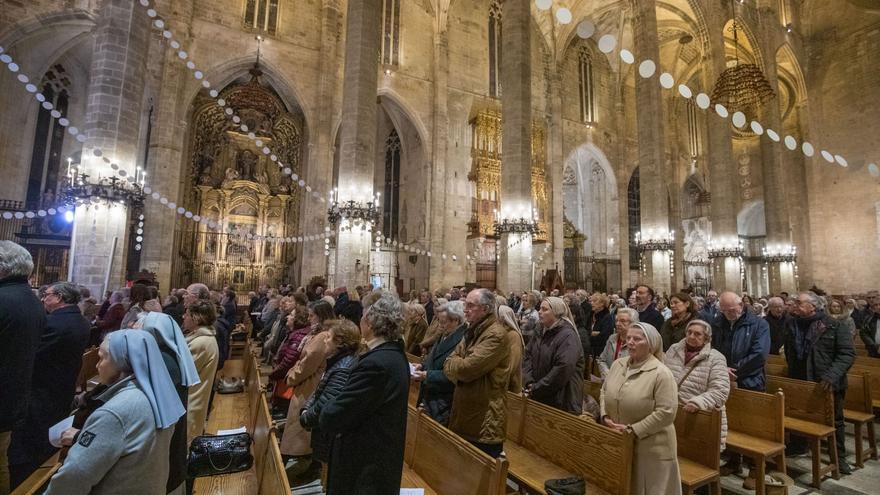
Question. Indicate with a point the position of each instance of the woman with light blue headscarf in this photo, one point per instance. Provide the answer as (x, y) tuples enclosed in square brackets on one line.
[(182, 369), (123, 446)]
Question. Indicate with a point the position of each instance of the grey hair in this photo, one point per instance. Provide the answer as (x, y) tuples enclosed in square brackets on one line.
[(707, 328), (15, 261), (68, 292), (815, 300), (454, 310), (775, 299), (201, 290), (633, 314), (487, 299), (384, 316)]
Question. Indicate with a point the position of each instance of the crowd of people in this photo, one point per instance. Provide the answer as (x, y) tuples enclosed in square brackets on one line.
[(340, 377)]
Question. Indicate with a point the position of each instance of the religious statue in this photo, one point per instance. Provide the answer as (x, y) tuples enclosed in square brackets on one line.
[(262, 177), (231, 175), (246, 164)]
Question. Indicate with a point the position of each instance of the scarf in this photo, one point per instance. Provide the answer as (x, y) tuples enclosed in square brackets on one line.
[(691, 352), (138, 353), (168, 333), (807, 332)]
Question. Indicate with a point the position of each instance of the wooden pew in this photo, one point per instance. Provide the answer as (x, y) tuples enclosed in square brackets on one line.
[(441, 462), (698, 437), (414, 386), (809, 412), (858, 410), (274, 478), (544, 443), (88, 369), (873, 382), (39, 479), (756, 429)]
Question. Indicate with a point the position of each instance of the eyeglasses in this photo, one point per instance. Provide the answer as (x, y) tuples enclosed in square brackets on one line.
[(47, 294)]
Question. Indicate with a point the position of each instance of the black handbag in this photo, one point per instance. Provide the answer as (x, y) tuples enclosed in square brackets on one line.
[(566, 486), (210, 455)]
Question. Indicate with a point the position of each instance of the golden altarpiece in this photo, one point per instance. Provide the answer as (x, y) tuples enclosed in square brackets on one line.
[(238, 186), (486, 174)]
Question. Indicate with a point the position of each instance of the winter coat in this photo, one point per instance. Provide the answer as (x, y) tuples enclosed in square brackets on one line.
[(479, 369), (652, 315), (22, 323), (868, 332), (53, 385), (436, 390), (178, 450), (514, 342), (304, 377), (703, 381), (203, 347), (674, 332), (830, 356), (334, 380), (645, 398), (777, 331), (367, 422), (112, 320), (119, 450), (602, 322), (222, 329), (415, 332), (606, 359), (553, 365), (288, 353), (745, 344)]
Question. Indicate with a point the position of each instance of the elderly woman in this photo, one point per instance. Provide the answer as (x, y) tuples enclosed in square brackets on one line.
[(368, 417), (581, 325), (198, 328), (528, 314), (700, 372), (123, 445), (683, 311), (639, 396), (182, 370), (517, 346), (615, 346), (112, 320), (297, 328), (138, 296), (304, 377), (601, 323), (839, 312), (435, 392), (553, 364), (415, 326)]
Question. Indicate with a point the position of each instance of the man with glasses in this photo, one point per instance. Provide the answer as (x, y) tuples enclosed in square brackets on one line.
[(819, 349), (22, 321), (53, 384)]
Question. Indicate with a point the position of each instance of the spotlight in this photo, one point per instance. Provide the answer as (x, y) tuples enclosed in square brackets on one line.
[(68, 216)]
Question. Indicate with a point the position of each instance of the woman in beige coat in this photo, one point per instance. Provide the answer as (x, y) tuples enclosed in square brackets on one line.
[(700, 372), (304, 377), (639, 396), (198, 328)]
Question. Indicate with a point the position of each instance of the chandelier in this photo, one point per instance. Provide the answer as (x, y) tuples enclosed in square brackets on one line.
[(743, 85), (350, 214), (80, 189), (517, 226), (659, 241), (726, 248)]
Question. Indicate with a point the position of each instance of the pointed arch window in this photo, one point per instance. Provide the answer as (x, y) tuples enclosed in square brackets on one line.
[(391, 33), (634, 210), (391, 193), (48, 139), (261, 15), (586, 88), (495, 49)]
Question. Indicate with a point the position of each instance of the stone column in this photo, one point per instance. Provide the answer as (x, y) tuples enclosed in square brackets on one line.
[(780, 274), (319, 171), (556, 159), (722, 169), (166, 154), (442, 272), (112, 123), (358, 140), (514, 268), (652, 150)]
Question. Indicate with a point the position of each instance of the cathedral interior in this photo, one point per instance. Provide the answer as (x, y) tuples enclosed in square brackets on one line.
[(509, 144)]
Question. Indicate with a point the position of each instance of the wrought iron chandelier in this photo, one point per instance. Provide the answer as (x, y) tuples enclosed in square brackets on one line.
[(81, 190), (350, 214), (517, 226), (743, 85)]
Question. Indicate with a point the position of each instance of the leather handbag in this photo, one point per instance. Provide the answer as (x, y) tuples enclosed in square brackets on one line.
[(210, 455), (230, 386), (566, 486)]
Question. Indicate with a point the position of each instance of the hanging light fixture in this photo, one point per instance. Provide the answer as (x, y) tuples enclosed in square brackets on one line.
[(743, 85)]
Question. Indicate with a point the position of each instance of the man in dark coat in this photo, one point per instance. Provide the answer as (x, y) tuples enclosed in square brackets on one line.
[(869, 327), (53, 384), (819, 349), (427, 301), (777, 320), (22, 322), (648, 312), (744, 340), (367, 420)]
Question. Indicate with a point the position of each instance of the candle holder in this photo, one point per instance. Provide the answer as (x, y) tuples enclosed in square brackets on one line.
[(350, 214), (726, 249), (81, 189), (779, 254), (517, 226), (664, 241)]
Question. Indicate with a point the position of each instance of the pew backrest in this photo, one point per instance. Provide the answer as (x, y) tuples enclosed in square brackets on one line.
[(776, 369), (261, 431), (412, 429), (776, 359), (698, 436), (273, 479), (252, 386), (858, 392), (804, 400), (757, 414), (88, 369)]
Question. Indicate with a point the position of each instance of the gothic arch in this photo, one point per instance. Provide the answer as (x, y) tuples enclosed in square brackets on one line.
[(750, 220), (592, 188)]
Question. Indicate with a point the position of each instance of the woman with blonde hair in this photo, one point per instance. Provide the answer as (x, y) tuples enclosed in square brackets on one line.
[(517, 345), (640, 397), (415, 325)]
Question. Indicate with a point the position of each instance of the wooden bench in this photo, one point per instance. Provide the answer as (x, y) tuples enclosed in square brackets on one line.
[(809, 412), (698, 436), (88, 369), (858, 410), (756, 429), (544, 443), (39, 479), (441, 462), (414, 386), (873, 381)]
